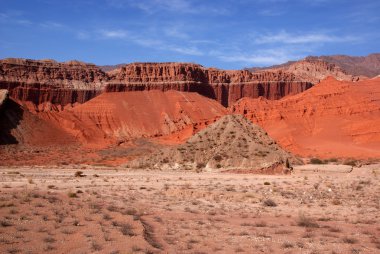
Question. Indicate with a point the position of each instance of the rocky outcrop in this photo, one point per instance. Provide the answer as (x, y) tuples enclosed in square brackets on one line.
[(232, 143), (314, 70), (3, 96), (332, 119), (45, 85), (114, 118), (47, 81), (368, 66), (19, 126), (224, 86)]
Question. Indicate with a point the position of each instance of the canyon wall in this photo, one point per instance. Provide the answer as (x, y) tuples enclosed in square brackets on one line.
[(47, 81), (224, 86), (48, 85)]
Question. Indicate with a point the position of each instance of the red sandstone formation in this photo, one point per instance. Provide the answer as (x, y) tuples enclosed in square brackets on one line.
[(117, 117), (19, 126), (47, 85), (224, 86), (332, 119), (48, 82)]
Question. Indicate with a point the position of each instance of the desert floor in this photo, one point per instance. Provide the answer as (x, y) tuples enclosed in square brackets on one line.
[(317, 209)]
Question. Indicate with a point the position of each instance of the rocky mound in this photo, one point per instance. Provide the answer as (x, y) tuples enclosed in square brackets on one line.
[(231, 143), (332, 119), (19, 126), (118, 117)]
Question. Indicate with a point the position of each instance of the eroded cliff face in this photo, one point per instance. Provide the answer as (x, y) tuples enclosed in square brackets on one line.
[(333, 119), (225, 86), (48, 85), (48, 82), (313, 70)]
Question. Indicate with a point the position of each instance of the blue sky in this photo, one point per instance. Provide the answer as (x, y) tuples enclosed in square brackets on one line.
[(227, 34)]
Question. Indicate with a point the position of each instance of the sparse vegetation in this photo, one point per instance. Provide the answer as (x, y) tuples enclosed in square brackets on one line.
[(305, 221), (79, 174), (269, 203), (316, 161), (159, 212), (126, 229), (72, 195)]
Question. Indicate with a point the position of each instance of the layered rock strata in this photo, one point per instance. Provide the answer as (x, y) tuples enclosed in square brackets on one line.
[(332, 119), (224, 86), (45, 85), (46, 81)]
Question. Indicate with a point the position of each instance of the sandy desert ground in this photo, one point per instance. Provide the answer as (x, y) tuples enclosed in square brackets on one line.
[(317, 209)]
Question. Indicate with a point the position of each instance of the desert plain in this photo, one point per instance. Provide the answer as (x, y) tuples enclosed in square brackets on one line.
[(80, 209)]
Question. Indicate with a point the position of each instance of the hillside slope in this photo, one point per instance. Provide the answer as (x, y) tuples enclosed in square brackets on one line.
[(332, 119), (231, 143)]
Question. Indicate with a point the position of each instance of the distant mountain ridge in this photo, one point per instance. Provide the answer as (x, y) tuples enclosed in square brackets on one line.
[(368, 66)]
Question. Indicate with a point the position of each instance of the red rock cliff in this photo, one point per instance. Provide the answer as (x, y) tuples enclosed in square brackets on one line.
[(47, 81), (225, 86), (46, 84)]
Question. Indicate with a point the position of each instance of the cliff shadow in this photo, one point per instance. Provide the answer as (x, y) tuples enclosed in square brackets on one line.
[(11, 115)]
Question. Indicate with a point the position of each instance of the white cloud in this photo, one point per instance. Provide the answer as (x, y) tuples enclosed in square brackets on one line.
[(180, 6), (176, 32), (114, 33), (150, 42), (52, 25), (259, 57), (14, 17), (288, 38), (271, 12)]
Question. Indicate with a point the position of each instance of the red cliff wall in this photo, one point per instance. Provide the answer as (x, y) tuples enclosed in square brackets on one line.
[(60, 84), (47, 81), (225, 86)]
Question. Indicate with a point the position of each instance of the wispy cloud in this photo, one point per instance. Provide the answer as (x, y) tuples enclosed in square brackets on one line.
[(14, 17), (119, 33), (52, 25), (176, 32), (299, 38), (150, 42), (271, 12), (260, 57), (179, 6)]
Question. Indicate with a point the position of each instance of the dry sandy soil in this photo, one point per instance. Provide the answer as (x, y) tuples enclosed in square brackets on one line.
[(317, 209)]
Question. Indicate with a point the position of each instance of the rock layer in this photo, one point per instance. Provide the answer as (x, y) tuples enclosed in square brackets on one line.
[(46, 81), (332, 119), (118, 117), (19, 126), (224, 86), (45, 85)]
